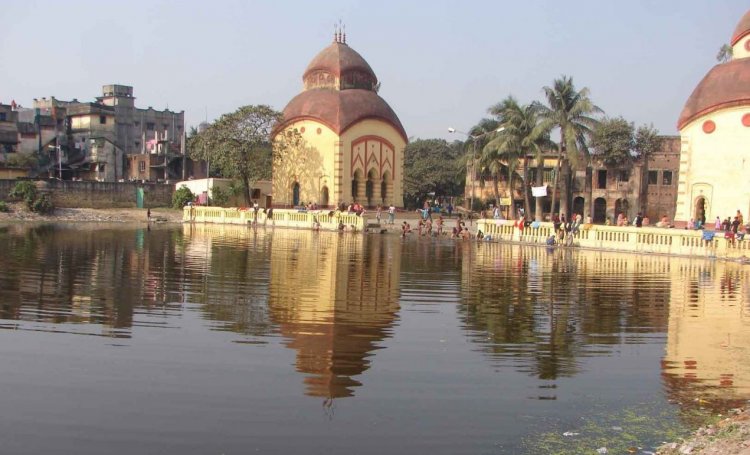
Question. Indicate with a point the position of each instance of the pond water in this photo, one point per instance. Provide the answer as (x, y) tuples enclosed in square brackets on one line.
[(224, 340)]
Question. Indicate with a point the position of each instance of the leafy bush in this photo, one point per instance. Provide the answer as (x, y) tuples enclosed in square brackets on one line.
[(219, 196), (4, 207), (35, 202), (25, 190), (25, 160), (42, 204), (181, 197)]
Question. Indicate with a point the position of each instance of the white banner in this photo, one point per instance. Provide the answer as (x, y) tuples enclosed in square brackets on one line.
[(538, 191)]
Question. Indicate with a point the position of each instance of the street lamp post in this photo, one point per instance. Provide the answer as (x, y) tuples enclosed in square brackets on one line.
[(474, 138)]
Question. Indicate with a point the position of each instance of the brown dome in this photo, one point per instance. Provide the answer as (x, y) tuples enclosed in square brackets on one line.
[(726, 85), (340, 109), (337, 59), (742, 29)]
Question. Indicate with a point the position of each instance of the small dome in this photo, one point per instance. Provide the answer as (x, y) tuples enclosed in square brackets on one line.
[(726, 85), (341, 67), (742, 29), (340, 109)]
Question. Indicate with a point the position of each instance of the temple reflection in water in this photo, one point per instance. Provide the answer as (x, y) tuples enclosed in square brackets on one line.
[(709, 335), (332, 297)]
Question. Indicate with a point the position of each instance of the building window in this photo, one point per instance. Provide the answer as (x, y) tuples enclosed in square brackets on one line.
[(653, 177), (623, 175), (601, 179), (666, 178), (150, 126), (256, 194), (103, 119), (141, 166), (3, 117)]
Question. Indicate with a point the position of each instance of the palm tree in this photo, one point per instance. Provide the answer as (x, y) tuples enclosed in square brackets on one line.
[(523, 136), (488, 166), (569, 110)]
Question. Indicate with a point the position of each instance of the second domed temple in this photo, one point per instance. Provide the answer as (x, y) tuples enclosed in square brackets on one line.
[(353, 142)]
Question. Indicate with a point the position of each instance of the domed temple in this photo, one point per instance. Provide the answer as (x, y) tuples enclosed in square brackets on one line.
[(715, 133), (353, 143)]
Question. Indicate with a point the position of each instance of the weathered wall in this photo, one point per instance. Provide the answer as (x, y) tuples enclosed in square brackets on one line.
[(98, 194)]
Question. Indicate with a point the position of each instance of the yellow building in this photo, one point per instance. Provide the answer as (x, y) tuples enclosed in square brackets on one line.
[(715, 132), (353, 142)]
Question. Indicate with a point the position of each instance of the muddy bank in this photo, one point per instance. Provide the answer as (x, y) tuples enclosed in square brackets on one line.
[(19, 212), (729, 436)]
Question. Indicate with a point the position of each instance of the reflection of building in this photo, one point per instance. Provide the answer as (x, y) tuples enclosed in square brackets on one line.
[(708, 341), (353, 141), (334, 298), (519, 301), (715, 130)]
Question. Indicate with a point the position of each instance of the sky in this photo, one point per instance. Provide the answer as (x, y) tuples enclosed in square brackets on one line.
[(441, 63)]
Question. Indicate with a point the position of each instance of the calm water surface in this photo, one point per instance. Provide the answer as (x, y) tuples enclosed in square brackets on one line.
[(223, 340)]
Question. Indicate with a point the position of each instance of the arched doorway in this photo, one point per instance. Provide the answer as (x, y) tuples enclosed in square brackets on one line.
[(600, 210), (621, 206), (324, 196), (386, 182), (370, 186), (578, 204), (357, 181), (700, 210), (295, 194)]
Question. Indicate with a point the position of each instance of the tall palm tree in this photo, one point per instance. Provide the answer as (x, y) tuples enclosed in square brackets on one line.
[(569, 110), (487, 165), (524, 136)]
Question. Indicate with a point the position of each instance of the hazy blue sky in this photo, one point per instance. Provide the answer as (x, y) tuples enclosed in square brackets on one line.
[(441, 63)]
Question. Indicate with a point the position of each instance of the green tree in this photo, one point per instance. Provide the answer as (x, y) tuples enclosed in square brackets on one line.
[(431, 166), (613, 141), (725, 53), (523, 136), (646, 142), (181, 197), (238, 145), (571, 111)]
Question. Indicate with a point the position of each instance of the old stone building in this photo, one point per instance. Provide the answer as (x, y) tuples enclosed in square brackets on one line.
[(109, 139), (649, 187), (353, 148)]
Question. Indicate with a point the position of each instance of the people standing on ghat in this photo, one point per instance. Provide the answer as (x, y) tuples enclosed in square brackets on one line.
[(378, 213), (439, 224), (392, 214), (725, 225), (449, 209), (638, 220), (717, 224), (739, 218), (736, 223)]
